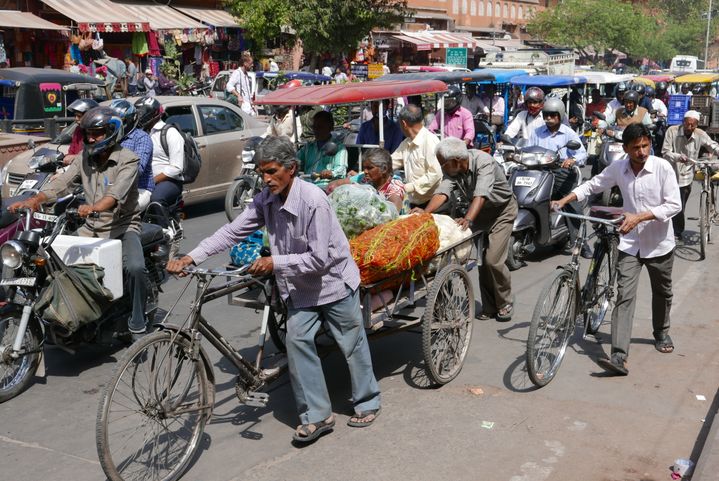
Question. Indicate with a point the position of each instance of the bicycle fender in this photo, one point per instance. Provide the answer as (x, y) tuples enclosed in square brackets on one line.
[(247, 178), (203, 354)]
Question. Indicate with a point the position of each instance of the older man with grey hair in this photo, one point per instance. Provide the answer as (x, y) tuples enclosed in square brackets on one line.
[(316, 277), (483, 200)]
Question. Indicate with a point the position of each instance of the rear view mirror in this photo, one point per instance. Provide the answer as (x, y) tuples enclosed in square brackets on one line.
[(31, 144), (573, 145), (62, 139), (599, 115)]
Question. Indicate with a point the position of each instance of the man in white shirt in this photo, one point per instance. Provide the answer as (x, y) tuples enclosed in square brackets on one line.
[(416, 155), (651, 198), (527, 121), (327, 71), (616, 102), (658, 107), (240, 85), (168, 161), (281, 124), (273, 66)]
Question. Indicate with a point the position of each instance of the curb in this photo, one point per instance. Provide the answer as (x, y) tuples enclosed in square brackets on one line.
[(707, 467)]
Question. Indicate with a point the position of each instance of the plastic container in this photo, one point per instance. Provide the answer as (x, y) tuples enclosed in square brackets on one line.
[(106, 253), (701, 101)]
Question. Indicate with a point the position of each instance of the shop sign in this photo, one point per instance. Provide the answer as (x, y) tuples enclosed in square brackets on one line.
[(51, 97), (376, 70), (457, 56), (359, 70)]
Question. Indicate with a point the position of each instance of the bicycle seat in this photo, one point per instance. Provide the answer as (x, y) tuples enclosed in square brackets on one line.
[(608, 213)]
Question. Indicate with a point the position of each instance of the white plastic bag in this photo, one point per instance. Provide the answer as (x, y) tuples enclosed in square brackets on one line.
[(450, 233), (360, 207)]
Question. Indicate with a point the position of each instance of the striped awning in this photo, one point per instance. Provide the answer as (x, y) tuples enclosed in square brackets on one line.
[(99, 15), (18, 19), (161, 17), (210, 16), (431, 39)]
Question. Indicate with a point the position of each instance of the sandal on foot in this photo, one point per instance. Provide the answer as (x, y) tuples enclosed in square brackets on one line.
[(359, 423), (505, 313), (485, 316), (615, 365), (305, 435), (664, 345)]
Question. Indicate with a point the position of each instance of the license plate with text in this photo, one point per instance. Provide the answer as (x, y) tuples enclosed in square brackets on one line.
[(523, 181), (19, 281)]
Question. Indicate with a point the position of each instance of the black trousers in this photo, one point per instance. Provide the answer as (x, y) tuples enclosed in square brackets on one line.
[(678, 220)]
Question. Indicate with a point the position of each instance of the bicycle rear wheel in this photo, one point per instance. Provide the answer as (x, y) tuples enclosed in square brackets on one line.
[(552, 326), (599, 289), (153, 411), (704, 224)]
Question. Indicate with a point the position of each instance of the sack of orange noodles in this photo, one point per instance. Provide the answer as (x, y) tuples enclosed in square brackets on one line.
[(395, 247)]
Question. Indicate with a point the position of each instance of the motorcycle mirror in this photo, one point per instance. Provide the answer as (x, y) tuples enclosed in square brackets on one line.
[(573, 145), (599, 115), (330, 148), (31, 144)]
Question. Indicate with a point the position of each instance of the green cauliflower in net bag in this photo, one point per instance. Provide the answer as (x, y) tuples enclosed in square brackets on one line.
[(360, 207)]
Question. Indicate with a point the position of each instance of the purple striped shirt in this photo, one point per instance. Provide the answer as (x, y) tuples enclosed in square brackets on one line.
[(311, 255)]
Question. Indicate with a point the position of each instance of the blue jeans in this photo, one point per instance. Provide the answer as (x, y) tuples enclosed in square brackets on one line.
[(344, 320), (167, 193), (136, 279)]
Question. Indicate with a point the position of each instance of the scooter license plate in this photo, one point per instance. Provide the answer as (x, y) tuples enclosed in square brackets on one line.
[(613, 148), (44, 217), (523, 181), (249, 166), (19, 281)]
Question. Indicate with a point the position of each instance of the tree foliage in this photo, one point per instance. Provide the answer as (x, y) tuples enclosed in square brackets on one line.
[(658, 29), (334, 26)]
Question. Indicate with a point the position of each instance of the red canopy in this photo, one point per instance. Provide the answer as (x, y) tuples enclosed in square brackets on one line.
[(351, 92)]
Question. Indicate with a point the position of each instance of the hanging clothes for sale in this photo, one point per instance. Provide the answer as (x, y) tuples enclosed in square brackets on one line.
[(139, 44), (153, 45)]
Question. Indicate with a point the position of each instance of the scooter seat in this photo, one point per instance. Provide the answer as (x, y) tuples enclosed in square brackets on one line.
[(608, 213), (151, 233)]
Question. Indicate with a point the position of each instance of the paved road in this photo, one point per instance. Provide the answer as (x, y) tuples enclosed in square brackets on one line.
[(583, 426)]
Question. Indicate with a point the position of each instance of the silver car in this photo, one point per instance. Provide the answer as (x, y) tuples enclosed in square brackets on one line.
[(219, 128)]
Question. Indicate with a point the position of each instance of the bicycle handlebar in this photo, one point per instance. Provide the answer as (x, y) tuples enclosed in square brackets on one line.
[(240, 272), (612, 223)]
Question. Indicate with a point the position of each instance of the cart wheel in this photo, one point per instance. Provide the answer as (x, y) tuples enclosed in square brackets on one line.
[(447, 323)]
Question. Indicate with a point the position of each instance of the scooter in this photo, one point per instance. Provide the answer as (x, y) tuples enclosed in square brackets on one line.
[(532, 182), (36, 258), (611, 150)]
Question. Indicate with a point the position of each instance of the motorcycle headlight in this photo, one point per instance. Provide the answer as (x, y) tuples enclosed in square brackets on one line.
[(12, 253), (546, 159)]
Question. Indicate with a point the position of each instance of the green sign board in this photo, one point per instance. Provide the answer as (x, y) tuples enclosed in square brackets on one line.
[(457, 56)]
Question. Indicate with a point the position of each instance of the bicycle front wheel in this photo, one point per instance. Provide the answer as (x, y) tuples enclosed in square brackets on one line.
[(552, 326), (153, 411), (703, 223), (600, 286)]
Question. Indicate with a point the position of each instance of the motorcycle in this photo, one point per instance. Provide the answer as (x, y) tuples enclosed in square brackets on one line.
[(532, 182), (246, 185), (35, 258)]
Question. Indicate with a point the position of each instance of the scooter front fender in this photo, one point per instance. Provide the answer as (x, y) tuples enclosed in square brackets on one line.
[(525, 220)]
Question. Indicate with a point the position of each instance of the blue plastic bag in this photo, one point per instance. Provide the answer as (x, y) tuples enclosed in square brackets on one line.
[(247, 251)]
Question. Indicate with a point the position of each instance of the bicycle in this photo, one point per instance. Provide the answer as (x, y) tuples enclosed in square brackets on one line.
[(707, 201), (562, 301), (155, 407)]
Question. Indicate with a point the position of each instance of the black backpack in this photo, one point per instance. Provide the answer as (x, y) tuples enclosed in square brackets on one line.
[(193, 161)]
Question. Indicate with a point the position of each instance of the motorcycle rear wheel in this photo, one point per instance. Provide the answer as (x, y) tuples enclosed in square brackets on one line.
[(16, 375)]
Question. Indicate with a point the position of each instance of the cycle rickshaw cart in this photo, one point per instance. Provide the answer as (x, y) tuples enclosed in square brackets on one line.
[(154, 409)]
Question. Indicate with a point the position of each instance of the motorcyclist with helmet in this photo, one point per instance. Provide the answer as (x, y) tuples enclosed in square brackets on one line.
[(658, 107), (685, 89), (77, 109), (108, 173), (641, 89), (527, 121), (616, 102), (662, 92), (139, 142), (458, 121), (629, 114), (554, 135)]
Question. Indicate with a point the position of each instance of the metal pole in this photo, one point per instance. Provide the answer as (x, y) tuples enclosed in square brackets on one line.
[(706, 42)]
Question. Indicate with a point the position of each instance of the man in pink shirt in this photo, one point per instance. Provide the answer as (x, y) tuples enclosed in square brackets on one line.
[(458, 121)]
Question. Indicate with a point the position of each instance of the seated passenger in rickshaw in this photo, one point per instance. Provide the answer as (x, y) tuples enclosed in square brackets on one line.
[(323, 158), (369, 130), (377, 172), (493, 106)]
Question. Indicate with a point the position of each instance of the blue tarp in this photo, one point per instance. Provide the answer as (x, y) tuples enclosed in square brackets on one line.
[(500, 75), (547, 80)]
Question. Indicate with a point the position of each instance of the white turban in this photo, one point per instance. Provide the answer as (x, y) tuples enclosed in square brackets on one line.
[(692, 114)]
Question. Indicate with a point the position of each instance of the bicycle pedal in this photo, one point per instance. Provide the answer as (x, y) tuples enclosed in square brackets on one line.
[(257, 399)]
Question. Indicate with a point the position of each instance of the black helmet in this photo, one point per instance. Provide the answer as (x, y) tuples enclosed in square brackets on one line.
[(102, 118), (127, 112), (698, 89), (639, 88), (149, 110), (650, 92), (620, 88), (553, 105), (535, 94), (452, 98), (661, 86), (80, 106), (684, 86), (631, 96)]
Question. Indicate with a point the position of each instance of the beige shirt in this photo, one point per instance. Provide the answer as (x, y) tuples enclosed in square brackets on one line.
[(278, 128), (422, 171), (117, 179), (676, 144)]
